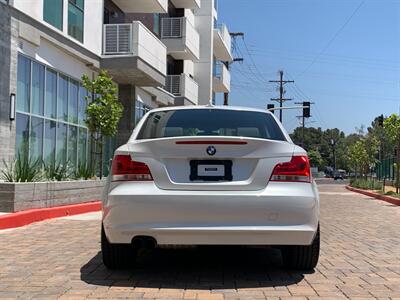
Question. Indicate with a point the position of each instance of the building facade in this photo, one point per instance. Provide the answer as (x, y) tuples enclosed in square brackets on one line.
[(159, 53)]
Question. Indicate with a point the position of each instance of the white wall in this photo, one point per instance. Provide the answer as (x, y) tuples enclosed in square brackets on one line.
[(33, 8), (190, 16), (93, 27), (203, 68), (143, 96), (93, 20), (188, 67)]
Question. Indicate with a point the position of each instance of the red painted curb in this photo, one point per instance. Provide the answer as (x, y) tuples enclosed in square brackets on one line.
[(26, 217), (389, 199)]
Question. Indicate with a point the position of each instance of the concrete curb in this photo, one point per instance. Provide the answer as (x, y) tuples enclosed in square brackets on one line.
[(389, 199), (26, 217)]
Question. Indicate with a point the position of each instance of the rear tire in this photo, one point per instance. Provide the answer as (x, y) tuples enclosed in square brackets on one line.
[(116, 256), (302, 257)]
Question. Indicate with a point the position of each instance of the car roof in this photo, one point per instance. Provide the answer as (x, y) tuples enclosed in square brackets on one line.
[(216, 107)]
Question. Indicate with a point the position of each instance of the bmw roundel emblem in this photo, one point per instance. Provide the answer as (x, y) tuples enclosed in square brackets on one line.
[(211, 150)]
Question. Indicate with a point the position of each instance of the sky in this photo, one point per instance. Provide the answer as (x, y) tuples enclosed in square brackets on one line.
[(344, 56)]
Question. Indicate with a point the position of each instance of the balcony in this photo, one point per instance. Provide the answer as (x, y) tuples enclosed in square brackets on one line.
[(184, 88), (222, 43), (222, 79), (191, 4), (180, 37), (133, 54), (143, 6)]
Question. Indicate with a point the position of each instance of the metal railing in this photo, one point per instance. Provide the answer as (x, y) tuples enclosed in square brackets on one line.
[(117, 39), (173, 84), (182, 86), (172, 27)]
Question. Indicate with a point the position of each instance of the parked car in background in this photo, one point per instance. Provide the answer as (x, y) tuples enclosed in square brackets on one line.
[(210, 175), (339, 174)]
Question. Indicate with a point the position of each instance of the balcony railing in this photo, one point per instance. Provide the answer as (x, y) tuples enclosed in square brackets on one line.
[(180, 37), (134, 39), (225, 35), (117, 39), (182, 86), (222, 79), (172, 28), (222, 43)]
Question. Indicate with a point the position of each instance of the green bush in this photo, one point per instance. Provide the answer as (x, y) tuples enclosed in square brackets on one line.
[(22, 170), (394, 194), (56, 172), (84, 171), (365, 184)]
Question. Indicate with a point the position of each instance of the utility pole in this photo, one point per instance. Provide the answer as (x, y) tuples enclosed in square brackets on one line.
[(281, 100), (227, 64)]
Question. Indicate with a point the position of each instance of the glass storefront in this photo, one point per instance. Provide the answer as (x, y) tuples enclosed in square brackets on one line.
[(50, 115), (140, 110)]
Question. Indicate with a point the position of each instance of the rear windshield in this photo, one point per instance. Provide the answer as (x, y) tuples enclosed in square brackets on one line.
[(210, 122)]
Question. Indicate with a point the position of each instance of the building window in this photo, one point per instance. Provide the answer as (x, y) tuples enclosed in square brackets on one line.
[(140, 110), (24, 84), (156, 24), (51, 94), (75, 19), (53, 12), (37, 89), (51, 127)]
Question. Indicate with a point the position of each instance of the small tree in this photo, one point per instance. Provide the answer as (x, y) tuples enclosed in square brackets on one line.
[(315, 159), (392, 130), (358, 156), (103, 112)]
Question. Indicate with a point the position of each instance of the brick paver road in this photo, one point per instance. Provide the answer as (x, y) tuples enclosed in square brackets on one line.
[(360, 258)]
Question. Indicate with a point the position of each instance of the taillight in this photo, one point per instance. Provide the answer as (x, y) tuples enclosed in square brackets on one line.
[(125, 169), (297, 170)]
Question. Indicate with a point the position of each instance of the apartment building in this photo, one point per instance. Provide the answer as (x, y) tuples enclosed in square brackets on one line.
[(159, 53)]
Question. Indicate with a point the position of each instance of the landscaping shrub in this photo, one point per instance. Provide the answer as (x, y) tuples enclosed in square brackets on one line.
[(366, 184), (393, 194), (56, 172), (84, 171), (22, 170)]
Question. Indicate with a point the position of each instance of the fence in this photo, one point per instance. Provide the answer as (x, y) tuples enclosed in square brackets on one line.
[(385, 169)]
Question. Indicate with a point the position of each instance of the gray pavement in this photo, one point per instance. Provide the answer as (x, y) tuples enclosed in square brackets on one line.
[(360, 259)]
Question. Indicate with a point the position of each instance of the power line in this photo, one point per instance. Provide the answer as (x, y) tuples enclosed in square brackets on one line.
[(333, 38), (269, 52), (255, 76), (252, 60)]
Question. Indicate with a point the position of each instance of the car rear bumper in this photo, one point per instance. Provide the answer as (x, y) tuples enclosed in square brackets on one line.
[(280, 214)]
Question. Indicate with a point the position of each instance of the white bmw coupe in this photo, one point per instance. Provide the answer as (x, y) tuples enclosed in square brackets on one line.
[(209, 175)]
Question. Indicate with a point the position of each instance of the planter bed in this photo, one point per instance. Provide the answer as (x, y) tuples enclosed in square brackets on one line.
[(373, 194), (19, 196)]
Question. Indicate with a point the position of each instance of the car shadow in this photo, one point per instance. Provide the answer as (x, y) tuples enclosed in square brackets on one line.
[(197, 268)]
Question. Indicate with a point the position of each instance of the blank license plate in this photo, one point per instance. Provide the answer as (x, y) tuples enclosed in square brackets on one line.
[(211, 170)]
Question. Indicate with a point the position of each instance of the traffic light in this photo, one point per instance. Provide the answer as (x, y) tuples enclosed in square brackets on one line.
[(306, 109), (271, 106), (380, 120)]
